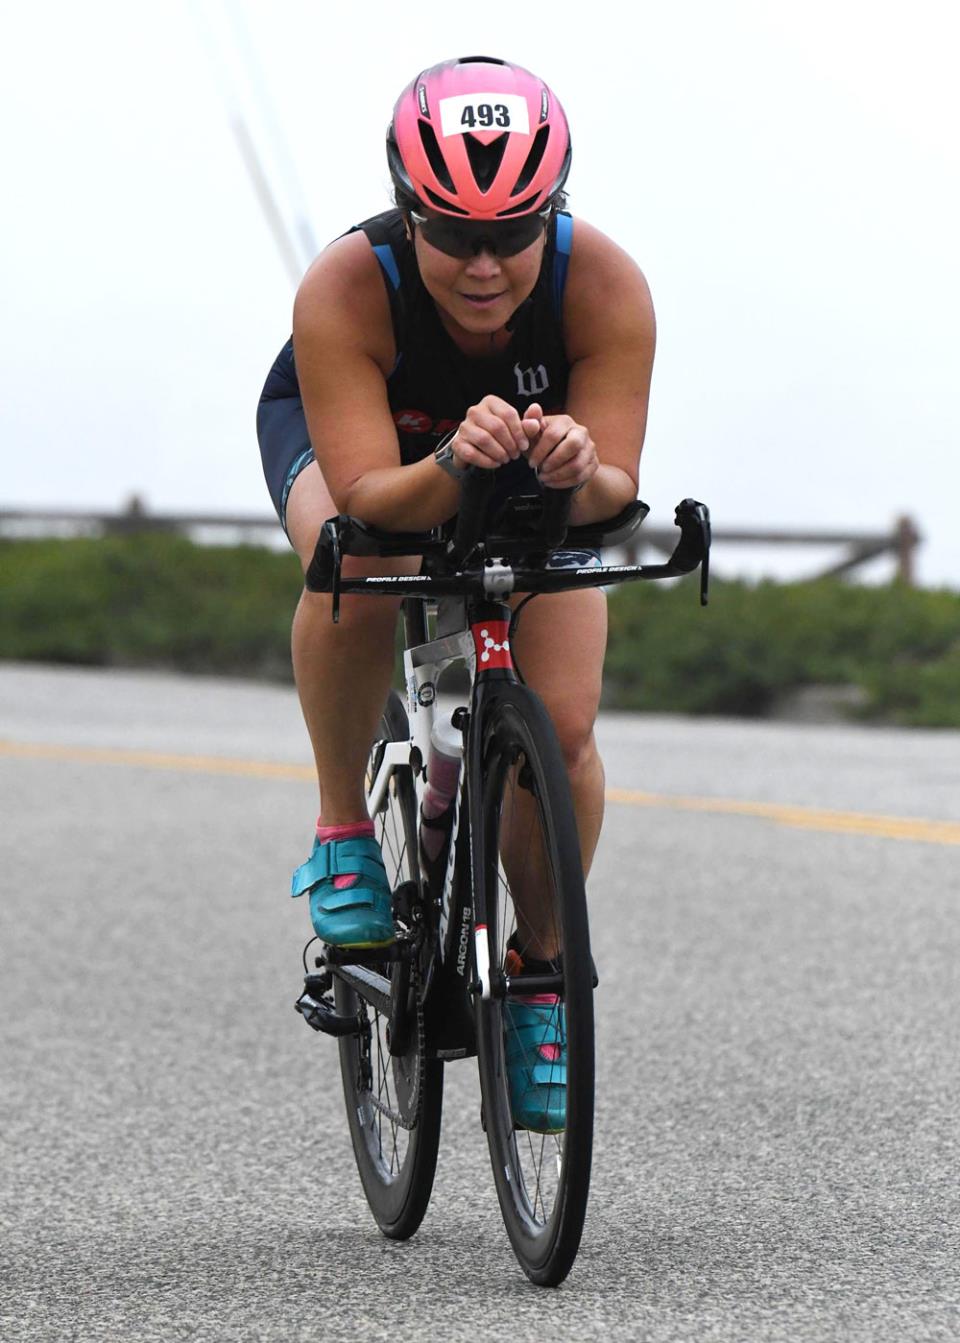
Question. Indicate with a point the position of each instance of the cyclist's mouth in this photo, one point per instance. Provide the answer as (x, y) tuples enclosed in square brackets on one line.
[(483, 300)]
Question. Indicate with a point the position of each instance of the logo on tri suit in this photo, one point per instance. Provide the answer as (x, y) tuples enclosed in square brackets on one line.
[(531, 381), (420, 422)]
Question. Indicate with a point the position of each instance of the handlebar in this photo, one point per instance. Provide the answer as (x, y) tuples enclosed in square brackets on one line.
[(461, 564)]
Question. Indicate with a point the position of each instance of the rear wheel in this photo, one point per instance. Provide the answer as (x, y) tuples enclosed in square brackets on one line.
[(534, 904), (393, 1101)]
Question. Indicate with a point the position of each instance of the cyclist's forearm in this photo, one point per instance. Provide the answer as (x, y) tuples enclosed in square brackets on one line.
[(402, 498), (608, 491)]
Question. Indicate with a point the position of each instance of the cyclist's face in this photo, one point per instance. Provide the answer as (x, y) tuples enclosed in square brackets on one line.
[(480, 292)]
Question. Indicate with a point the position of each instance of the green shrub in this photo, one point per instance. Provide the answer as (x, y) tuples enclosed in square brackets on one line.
[(754, 644), (159, 601), (153, 600)]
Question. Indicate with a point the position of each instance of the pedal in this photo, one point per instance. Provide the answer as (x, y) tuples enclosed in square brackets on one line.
[(401, 950), (319, 1012)]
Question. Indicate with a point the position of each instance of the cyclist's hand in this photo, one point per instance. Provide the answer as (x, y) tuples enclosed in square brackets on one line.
[(563, 453), (493, 433)]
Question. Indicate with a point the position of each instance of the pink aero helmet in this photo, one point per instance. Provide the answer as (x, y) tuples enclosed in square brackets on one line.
[(480, 138)]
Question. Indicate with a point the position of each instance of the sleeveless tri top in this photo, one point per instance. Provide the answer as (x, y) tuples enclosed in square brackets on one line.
[(433, 383)]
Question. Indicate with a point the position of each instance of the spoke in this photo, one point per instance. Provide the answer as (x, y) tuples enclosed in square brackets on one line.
[(381, 1082), (389, 843), (383, 1095)]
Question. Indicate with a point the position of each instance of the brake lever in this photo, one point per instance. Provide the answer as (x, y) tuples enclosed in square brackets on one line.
[(323, 571), (702, 514), (693, 519)]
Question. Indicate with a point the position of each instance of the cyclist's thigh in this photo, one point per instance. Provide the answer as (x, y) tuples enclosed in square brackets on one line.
[(308, 506), (559, 647)]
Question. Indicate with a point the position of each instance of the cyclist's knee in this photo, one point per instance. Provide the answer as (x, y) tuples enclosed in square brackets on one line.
[(357, 614), (574, 728), (360, 612)]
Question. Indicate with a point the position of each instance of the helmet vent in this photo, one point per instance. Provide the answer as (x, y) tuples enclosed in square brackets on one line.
[(485, 160), (441, 204), (428, 138), (520, 209), (534, 159), (481, 60)]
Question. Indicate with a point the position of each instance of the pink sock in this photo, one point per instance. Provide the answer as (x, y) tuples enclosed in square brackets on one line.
[(355, 830)]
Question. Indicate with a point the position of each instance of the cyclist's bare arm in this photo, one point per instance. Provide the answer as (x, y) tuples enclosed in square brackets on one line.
[(344, 350), (610, 335)]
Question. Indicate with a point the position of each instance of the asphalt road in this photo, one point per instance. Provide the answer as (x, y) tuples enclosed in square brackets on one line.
[(776, 919)]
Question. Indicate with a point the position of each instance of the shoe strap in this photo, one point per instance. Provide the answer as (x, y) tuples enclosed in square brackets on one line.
[(332, 901), (360, 857), (544, 1074), (534, 1025)]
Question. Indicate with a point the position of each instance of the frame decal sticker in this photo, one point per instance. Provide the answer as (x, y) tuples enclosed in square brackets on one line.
[(492, 641)]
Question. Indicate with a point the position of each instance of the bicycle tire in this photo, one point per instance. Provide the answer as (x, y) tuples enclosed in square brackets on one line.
[(543, 1202), (396, 1164)]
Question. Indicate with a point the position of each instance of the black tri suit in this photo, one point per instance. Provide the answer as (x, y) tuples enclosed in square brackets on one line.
[(433, 383)]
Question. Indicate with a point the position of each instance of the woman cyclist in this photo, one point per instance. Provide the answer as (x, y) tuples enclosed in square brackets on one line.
[(475, 324)]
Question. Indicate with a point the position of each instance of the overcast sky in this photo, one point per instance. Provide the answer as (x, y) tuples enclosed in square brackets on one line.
[(787, 177)]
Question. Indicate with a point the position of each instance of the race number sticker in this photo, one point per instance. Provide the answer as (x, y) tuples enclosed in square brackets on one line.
[(484, 112)]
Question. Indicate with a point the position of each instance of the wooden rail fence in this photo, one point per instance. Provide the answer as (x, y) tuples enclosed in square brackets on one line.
[(856, 548)]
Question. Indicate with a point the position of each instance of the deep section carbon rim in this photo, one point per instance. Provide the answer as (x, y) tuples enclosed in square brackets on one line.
[(539, 1130)]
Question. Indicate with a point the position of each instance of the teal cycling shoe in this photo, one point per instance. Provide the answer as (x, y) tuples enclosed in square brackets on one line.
[(535, 1049), (360, 915)]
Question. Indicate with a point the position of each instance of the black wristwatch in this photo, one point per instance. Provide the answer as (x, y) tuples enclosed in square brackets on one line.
[(444, 458)]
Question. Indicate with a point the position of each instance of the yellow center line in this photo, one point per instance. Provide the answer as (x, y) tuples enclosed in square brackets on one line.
[(806, 818), (194, 764)]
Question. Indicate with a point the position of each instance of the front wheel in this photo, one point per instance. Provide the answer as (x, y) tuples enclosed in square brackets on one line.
[(539, 1120), (393, 1100)]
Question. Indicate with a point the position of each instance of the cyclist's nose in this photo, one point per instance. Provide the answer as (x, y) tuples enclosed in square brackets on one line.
[(483, 264)]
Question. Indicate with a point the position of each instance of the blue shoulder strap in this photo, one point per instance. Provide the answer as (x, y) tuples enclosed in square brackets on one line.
[(388, 262), (561, 258)]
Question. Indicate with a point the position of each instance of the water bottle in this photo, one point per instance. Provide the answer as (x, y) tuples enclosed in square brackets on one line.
[(436, 811)]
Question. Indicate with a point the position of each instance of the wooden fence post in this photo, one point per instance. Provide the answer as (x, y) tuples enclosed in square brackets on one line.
[(907, 540)]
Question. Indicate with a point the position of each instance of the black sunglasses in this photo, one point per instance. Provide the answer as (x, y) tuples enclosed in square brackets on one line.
[(464, 238)]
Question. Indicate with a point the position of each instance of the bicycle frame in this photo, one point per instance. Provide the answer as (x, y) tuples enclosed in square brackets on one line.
[(470, 578), (478, 632)]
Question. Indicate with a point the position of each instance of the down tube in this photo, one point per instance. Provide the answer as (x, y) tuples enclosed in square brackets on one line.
[(484, 695)]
